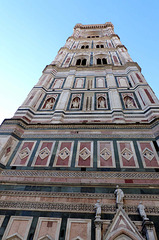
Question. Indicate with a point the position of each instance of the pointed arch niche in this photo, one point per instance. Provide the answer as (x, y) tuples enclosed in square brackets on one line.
[(122, 228)]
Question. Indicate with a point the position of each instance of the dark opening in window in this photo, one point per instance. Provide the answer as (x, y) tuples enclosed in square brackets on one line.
[(102, 46), (82, 47), (78, 62), (87, 46), (98, 61), (84, 62), (104, 61), (97, 46)]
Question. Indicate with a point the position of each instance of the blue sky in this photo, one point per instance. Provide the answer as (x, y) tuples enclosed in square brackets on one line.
[(32, 31)]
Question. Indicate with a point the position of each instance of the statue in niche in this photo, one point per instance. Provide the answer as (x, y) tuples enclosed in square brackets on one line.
[(49, 103), (75, 102), (97, 206), (129, 102), (101, 102), (141, 209), (119, 196)]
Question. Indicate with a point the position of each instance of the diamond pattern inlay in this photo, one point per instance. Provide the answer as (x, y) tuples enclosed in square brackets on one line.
[(127, 154), (105, 154), (85, 153), (24, 153), (64, 153), (44, 153), (147, 153)]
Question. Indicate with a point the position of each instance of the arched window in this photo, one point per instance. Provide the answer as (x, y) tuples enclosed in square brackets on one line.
[(97, 46), (82, 47), (102, 46), (84, 62), (87, 46), (98, 61), (78, 62), (104, 60)]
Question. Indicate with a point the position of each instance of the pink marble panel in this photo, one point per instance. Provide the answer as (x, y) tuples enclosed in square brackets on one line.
[(148, 154), (84, 156), (127, 154), (64, 154), (47, 228), (43, 155), (17, 227), (23, 155), (106, 154)]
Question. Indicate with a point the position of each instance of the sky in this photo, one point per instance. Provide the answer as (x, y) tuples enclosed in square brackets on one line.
[(32, 32)]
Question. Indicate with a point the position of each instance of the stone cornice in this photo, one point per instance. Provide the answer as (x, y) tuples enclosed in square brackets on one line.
[(85, 125), (92, 68), (102, 38), (94, 26)]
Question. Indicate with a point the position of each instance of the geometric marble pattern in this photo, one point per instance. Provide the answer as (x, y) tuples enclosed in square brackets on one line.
[(44, 153), (105, 154), (147, 153), (64, 153), (24, 153), (127, 154), (84, 153)]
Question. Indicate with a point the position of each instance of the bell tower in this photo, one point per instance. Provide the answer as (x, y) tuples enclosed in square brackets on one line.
[(79, 159)]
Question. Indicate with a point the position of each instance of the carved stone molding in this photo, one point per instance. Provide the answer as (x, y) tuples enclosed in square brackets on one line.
[(77, 195), (77, 174), (70, 207)]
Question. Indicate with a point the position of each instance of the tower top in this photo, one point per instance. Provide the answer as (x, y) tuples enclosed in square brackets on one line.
[(93, 26)]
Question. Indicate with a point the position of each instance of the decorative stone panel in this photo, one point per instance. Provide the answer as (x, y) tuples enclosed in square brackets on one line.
[(127, 154), (47, 229), (84, 155), (78, 229), (24, 153), (64, 154), (17, 228), (43, 154), (106, 157), (148, 154)]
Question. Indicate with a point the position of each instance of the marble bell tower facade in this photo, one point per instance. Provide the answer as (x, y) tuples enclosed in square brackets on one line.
[(79, 159)]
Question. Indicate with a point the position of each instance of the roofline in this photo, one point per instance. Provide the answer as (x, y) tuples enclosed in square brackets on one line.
[(93, 26)]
